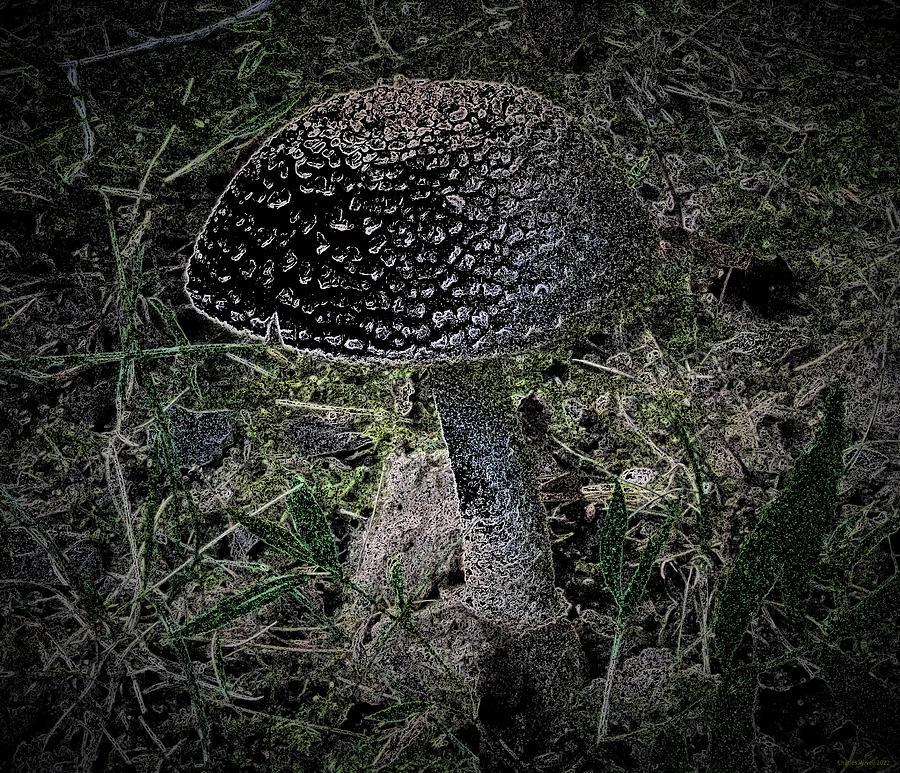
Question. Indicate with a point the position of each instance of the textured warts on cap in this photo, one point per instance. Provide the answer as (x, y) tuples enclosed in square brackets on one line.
[(419, 222)]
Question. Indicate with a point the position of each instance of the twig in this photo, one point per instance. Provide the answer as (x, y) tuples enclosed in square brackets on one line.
[(606, 368), (821, 358), (175, 40)]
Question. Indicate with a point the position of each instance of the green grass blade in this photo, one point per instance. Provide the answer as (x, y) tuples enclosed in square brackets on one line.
[(649, 556), (874, 618), (198, 708), (275, 536), (241, 605), (788, 536), (311, 527), (249, 128), (612, 540), (730, 723)]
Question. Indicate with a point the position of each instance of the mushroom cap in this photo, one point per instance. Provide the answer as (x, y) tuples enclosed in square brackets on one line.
[(418, 222)]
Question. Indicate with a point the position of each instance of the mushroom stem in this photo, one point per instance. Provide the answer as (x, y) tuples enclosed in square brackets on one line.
[(534, 663), (506, 546)]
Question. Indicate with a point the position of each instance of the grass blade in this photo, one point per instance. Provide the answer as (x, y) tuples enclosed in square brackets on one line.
[(648, 558), (612, 539), (275, 536), (874, 616), (788, 536), (241, 605), (399, 712), (249, 128), (730, 723), (311, 527)]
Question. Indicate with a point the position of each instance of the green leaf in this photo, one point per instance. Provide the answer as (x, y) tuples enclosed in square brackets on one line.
[(612, 540), (311, 527), (751, 577), (274, 535), (648, 558), (812, 496), (241, 605), (399, 711), (874, 616), (730, 723), (788, 537)]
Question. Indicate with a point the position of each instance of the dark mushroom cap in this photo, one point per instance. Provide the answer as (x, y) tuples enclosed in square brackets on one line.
[(417, 222)]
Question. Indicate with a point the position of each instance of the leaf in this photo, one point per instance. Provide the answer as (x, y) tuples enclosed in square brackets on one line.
[(730, 723), (864, 699), (812, 495), (399, 711), (788, 537), (241, 605), (612, 539), (274, 535), (751, 577), (638, 582), (875, 615), (311, 527)]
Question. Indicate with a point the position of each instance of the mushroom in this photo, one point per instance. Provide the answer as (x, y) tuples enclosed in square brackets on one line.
[(433, 223)]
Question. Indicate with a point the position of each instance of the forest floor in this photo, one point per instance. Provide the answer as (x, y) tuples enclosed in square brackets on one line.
[(764, 141)]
